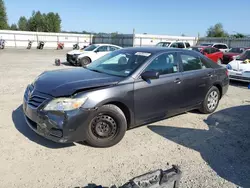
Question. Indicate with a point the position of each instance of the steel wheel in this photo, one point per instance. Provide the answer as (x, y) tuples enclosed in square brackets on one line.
[(212, 100), (104, 127)]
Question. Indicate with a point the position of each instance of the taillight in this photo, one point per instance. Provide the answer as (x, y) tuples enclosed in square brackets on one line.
[(227, 72)]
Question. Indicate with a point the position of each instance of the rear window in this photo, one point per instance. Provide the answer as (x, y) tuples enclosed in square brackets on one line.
[(180, 45), (236, 50)]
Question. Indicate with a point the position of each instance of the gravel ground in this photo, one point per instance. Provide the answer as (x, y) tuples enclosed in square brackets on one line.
[(212, 150)]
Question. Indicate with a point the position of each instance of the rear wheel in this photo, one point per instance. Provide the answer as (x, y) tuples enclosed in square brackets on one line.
[(107, 127), (211, 101), (84, 61)]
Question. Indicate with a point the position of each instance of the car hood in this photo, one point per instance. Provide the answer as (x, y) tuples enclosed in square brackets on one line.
[(231, 54), (66, 82), (238, 65), (77, 52)]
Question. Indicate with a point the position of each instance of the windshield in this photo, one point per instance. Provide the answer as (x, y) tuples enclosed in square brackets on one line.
[(196, 49), (119, 63), (245, 55), (91, 47), (163, 44), (236, 50)]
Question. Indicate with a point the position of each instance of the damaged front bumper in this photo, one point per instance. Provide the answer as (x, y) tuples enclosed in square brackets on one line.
[(62, 127)]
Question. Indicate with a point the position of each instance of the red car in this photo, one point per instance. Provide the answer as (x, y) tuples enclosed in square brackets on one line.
[(229, 56), (212, 53)]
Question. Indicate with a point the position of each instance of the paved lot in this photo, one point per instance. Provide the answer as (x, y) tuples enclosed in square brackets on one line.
[(212, 150)]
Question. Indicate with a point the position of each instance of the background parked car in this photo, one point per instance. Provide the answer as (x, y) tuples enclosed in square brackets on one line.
[(212, 53), (173, 44), (221, 46), (232, 53), (87, 55), (239, 69)]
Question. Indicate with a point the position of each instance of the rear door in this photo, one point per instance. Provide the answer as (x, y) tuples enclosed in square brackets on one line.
[(197, 78)]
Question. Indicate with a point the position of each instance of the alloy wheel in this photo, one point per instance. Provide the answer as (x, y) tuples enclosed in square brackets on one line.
[(212, 100)]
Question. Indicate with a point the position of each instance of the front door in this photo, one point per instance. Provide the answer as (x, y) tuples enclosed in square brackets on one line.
[(101, 51), (158, 98)]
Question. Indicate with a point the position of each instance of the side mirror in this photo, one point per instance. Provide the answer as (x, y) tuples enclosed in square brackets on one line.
[(150, 75)]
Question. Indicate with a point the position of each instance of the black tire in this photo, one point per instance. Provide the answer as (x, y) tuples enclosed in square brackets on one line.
[(206, 104), (84, 61), (107, 127)]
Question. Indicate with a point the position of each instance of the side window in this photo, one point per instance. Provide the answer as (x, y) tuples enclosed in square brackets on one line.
[(181, 45), (207, 50), (213, 50), (192, 62), (113, 48), (174, 45), (217, 46), (164, 64), (159, 44), (103, 49), (223, 46), (187, 45)]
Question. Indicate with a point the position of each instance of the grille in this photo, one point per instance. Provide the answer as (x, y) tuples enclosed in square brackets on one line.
[(35, 101), (70, 57), (36, 98)]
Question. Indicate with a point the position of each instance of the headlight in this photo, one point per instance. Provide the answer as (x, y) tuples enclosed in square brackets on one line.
[(65, 104), (229, 67)]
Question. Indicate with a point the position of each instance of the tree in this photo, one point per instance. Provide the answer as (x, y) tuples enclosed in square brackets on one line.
[(216, 31), (13, 27), (23, 24), (36, 22), (239, 35), (3, 16), (52, 22)]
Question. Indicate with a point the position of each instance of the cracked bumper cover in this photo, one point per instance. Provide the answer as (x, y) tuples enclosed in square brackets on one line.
[(62, 127)]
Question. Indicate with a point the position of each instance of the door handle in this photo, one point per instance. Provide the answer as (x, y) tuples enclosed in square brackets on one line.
[(177, 81), (210, 74)]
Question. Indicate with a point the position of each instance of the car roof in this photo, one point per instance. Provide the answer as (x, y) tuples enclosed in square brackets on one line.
[(153, 49), (106, 44), (203, 47)]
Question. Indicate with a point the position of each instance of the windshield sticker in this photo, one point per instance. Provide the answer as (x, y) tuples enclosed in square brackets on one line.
[(143, 54), (127, 72)]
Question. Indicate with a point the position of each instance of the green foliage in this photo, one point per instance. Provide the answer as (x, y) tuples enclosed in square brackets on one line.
[(23, 23), (52, 22), (3, 16), (239, 35), (13, 27), (217, 31)]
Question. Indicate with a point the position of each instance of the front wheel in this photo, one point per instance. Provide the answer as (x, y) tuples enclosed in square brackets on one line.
[(107, 127), (211, 101), (84, 61)]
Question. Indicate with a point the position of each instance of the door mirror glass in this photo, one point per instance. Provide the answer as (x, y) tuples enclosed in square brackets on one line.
[(150, 75)]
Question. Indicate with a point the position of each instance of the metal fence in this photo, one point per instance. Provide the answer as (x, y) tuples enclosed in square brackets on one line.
[(231, 42), (20, 39)]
